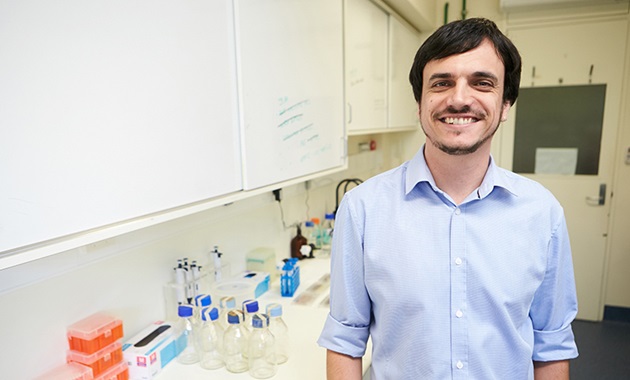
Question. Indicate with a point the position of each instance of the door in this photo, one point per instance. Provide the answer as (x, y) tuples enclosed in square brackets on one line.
[(579, 55)]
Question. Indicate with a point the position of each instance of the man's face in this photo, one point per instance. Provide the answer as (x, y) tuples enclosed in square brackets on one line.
[(462, 100)]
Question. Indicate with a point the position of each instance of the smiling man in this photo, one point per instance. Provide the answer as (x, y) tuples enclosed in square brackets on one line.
[(456, 268)]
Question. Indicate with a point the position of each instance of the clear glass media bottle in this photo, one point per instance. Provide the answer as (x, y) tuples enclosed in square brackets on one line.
[(280, 331), (187, 342), (261, 354), (226, 303), (250, 307), (235, 343), (210, 339)]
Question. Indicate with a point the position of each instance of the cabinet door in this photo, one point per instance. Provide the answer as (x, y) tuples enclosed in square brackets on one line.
[(366, 31), (112, 111), (403, 44), (291, 79)]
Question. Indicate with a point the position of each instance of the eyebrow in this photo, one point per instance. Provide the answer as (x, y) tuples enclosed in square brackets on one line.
[(476, 74)]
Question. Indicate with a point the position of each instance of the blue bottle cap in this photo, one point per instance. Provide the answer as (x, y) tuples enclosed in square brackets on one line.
[(204, 314), (203, 300), (234, 317), (260, 320), (309, 223), (209, 314), (274, 310), (228, 302), (329, 216), (250, 306), (185, 311)]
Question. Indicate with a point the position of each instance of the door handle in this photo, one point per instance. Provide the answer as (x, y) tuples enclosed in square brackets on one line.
[(601, 199)]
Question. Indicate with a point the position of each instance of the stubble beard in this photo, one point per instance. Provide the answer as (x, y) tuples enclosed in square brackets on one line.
[(460, 150)]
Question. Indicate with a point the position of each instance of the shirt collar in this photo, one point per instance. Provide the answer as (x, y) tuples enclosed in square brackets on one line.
[(418, 171)]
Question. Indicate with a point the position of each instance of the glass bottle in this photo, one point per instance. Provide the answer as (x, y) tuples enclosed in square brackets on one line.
[(200, 302), (187, 342), (226, 304), (280, 331), (250, 307), (235, 343), (210, 339), (261, 354), (296, 244), (327, 231)]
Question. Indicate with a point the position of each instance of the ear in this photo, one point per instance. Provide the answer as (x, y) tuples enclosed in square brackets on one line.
[(505, 110)]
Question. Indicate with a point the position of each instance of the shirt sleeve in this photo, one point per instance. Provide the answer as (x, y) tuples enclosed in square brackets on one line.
[(555, 303), (346, 329)]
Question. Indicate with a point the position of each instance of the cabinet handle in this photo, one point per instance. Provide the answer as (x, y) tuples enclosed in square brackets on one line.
[(349, 113)]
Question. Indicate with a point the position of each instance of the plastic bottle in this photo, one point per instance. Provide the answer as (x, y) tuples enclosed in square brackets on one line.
[(235, 343), (250, 307), (187, 342), (261, 354), (280, 331), (309, 233), (226, 304), (296, 243), (210, 339), (317, 235), (327, 231)]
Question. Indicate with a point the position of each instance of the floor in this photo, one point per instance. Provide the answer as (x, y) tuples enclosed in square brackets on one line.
[(604, 349)]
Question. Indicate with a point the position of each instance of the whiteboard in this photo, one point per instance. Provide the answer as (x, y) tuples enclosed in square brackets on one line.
[(290, 59), (112, 110)]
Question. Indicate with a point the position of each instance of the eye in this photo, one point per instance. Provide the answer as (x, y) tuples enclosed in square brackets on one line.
[(440, 84)]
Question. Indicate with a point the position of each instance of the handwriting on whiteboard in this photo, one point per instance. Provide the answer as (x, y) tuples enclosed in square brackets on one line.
[(298, 131)]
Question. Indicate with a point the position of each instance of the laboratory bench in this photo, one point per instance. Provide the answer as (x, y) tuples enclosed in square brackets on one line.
[(304, 314)]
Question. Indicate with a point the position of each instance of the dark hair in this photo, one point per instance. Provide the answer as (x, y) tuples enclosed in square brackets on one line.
[(461, 36)]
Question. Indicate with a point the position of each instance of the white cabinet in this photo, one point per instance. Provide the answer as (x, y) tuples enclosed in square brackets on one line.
[(290, 57), (403, 44), (112, 111), (379, 53), (366, 31)]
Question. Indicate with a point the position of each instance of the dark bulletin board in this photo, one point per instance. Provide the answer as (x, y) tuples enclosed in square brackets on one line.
[(559, 117)]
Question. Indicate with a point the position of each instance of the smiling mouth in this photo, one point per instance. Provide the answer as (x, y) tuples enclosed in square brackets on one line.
[(458, 120)]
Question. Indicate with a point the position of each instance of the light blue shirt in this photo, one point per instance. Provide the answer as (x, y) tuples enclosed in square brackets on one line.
[(475, 291)]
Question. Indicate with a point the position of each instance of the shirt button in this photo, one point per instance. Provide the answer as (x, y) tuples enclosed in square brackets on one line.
[(459, 365), (458, 211), (459, 313), (458, 261)]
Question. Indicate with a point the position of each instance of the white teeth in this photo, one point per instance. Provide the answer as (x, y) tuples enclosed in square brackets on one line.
[(459, 120)]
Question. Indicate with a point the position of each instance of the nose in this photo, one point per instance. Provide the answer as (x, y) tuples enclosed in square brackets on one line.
[(460, 94)]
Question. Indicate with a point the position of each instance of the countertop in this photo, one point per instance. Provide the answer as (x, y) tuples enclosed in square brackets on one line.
[(307, 359)]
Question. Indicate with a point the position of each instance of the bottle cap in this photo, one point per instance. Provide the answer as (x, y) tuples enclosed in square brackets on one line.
[(203, 300), (235, 317), (260, 320), (228, 302), (250, 306), (329, 216), (274, 310), (204, 314), (185, 311), (209, 314), (308, 223), (315, 220)]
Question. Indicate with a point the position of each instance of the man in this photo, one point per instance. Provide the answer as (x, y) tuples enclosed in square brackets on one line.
[(456, 268)]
